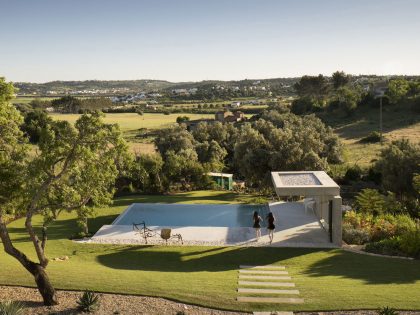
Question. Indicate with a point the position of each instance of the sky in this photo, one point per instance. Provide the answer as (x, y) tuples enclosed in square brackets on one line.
[(193, 40)]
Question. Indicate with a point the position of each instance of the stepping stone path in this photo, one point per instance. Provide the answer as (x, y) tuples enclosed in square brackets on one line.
[(265, 285)]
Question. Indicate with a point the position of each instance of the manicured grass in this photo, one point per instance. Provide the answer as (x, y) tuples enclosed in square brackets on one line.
[(327, 279)]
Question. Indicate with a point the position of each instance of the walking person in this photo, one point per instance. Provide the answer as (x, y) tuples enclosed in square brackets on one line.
[(270, 226), (257, 224)]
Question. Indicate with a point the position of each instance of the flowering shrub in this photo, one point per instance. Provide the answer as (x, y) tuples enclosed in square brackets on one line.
[(410, 243)]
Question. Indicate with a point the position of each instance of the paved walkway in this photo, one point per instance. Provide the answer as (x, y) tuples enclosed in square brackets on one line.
[(275, 288)]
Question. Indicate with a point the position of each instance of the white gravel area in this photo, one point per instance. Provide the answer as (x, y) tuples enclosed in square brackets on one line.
[(111, 304), (299, 179)]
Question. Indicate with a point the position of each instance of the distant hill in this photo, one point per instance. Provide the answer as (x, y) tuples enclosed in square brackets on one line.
[(63, 87), (135, 86)]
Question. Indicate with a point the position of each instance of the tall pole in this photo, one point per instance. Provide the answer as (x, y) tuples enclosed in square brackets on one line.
[(380, 117)]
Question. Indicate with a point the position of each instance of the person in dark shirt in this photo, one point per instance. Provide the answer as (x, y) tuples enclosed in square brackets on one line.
[(257, 224), (270, 226)]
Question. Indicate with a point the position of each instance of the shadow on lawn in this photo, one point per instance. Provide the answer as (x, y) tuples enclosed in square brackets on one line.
[(373, 270), (178, 259), (61, 229)]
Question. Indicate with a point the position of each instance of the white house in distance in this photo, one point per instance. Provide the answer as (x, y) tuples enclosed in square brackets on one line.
[(235, 104)]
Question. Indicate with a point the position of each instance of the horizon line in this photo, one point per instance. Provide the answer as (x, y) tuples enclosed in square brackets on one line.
[(229, 80)]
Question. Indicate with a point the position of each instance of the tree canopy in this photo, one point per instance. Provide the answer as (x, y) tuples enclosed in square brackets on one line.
[(74, 169)]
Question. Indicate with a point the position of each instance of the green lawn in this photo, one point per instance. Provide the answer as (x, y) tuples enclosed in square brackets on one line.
[(327, 279)]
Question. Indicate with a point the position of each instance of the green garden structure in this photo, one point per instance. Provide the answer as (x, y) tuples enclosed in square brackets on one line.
[(223, 180)]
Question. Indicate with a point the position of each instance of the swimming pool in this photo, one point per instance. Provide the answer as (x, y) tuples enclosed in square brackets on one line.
[(171, 215)]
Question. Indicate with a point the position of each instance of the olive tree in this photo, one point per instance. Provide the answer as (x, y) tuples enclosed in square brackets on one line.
[(279, 142), (398, 163), (74, 168)]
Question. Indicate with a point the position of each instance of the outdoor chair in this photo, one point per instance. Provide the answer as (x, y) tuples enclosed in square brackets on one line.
[(309, 203), (166, 235), (143, 231)]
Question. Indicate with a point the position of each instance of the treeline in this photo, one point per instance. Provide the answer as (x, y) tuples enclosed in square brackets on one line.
[(274, 140), (68, 104), (344, 93)]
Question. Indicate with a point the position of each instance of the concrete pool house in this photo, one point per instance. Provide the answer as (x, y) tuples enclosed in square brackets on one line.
[(323, 192), (312, 222)]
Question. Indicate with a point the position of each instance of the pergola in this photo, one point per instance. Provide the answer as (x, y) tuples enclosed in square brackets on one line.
[(319, 186)]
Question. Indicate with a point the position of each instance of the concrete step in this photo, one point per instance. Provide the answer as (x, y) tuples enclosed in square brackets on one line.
[(266, 284), (256, 277), (250, 299), (267, 291), (263, 272), (271, 267)]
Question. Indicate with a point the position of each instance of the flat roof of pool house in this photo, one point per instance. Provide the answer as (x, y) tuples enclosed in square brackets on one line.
[(304, 183)]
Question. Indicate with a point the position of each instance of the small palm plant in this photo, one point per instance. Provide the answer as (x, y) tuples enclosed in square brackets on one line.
[(88, 302), (387, 311), (11, 308)]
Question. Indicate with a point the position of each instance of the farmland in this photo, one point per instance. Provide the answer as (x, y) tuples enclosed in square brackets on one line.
[(397, 125)]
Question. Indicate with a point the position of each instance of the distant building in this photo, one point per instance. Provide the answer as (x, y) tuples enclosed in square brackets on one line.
[(221, 115), (235, 104), (222, 180), (180, 92), (227, 116)]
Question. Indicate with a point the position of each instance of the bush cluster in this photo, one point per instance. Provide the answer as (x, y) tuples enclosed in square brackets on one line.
[(384, 234)]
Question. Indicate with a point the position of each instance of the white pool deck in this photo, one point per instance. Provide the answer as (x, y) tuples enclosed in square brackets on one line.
[(295, 227)]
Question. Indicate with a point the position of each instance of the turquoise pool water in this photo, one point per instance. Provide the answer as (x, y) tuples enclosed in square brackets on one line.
[(154, 214)]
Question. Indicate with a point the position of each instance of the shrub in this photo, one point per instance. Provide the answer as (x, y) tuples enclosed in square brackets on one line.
[(404, 224), (302, 105), (416, 105), (373, 137), (182, 119), (352, 218), (374, 176), (387, 311), (353, 173), (11, 308), (355, 236), (410, 243), (88, 302), (382, 229), (391, 247), (370, 201), (358, 220)]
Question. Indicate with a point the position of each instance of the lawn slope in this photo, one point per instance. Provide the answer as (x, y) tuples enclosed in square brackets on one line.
[(327, 279)]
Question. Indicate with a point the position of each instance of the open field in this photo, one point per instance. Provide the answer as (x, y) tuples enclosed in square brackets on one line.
[(28, 99), (132, 121), (326, 279), (398, 123)]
